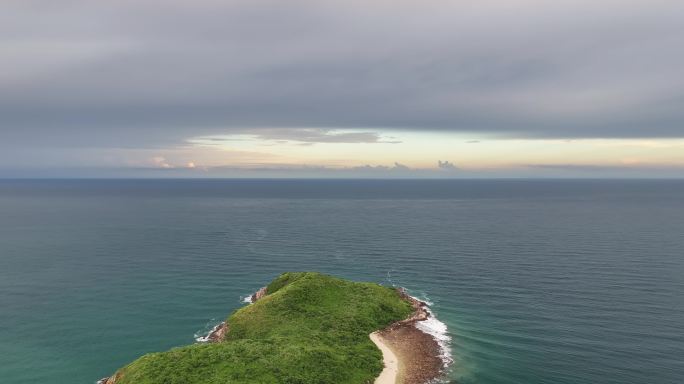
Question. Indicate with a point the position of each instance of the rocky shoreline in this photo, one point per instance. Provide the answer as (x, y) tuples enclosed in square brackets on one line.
[(258, 294), (218, 333), (107, 380), (419, 354)]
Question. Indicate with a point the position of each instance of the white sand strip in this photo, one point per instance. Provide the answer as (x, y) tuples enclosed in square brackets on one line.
[(389, 374)]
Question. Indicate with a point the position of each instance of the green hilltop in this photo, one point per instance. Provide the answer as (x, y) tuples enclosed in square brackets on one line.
[(308, 328)]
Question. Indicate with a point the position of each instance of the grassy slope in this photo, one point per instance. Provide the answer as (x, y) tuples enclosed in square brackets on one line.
[(309, 328)]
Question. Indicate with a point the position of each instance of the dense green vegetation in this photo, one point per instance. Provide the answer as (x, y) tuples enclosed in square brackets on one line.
[(309, 328)]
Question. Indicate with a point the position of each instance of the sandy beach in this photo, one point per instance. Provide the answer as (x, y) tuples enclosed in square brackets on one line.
[(390, 373)]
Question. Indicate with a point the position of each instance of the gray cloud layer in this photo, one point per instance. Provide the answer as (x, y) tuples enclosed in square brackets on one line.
[(154, 73), (312, 135)]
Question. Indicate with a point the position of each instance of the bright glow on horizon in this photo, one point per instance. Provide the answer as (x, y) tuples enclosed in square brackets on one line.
[(421, 150)]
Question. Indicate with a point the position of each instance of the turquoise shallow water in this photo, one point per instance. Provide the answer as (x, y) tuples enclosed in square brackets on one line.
[(538, 281)]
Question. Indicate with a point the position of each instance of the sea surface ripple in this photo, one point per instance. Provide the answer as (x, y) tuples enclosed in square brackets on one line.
[(556, 281)]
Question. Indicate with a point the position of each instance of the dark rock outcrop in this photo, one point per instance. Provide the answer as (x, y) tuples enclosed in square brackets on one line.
[(259, 294), (420, 312), (218, 333), (108, 380)]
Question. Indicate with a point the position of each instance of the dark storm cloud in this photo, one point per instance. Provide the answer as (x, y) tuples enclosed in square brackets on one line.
[(155, 73)]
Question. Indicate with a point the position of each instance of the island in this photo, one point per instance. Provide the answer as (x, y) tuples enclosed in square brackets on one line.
[(305, 327)]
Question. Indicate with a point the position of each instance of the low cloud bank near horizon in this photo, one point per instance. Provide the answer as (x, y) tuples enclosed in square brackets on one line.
[(396, 171)]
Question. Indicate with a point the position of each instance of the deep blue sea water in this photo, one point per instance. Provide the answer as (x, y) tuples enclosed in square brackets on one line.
[(556, 281)]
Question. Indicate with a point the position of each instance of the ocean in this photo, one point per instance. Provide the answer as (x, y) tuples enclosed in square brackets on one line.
[(538, 281)]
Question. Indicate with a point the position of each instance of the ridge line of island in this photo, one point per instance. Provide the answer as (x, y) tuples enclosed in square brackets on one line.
[(409, 355)]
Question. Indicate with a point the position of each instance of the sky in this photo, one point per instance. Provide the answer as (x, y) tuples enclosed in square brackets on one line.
[(322, 88)]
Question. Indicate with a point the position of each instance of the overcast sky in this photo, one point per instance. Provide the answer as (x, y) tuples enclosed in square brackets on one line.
[(349, 88)]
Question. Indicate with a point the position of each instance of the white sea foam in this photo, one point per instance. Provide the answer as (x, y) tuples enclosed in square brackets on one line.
[(203, 335), (438, 330)]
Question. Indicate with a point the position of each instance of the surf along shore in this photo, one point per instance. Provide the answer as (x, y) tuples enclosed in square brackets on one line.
[(409, 355)]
